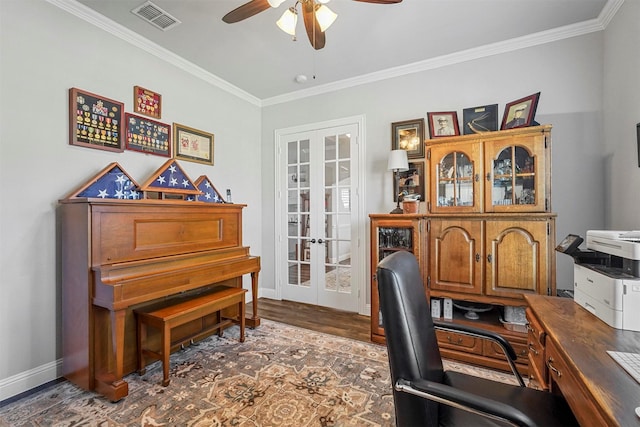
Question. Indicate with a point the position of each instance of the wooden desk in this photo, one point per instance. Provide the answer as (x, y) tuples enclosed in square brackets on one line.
[(599, 391)]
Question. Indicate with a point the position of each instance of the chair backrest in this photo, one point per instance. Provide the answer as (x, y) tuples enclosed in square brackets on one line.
[(411, 340)]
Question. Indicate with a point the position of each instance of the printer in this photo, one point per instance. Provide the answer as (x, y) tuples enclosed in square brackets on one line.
[(607, 276)]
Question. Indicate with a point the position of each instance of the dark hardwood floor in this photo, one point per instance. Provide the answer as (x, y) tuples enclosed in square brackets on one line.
[(316, 318)]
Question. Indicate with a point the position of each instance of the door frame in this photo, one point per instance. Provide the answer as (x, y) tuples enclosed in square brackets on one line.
[(359, 253)]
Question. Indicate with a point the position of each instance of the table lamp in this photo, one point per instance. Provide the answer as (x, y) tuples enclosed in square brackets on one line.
[(398, 162)]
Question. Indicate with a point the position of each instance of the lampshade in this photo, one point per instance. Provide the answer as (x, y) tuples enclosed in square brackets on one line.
[(325, 17), (398, 161), (288, 21), (275, 3)]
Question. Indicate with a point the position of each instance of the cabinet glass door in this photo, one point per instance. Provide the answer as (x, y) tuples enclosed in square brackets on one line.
[(456, 179), (514, 179)]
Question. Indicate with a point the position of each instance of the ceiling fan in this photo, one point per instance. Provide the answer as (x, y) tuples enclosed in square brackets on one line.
[(311, 13)]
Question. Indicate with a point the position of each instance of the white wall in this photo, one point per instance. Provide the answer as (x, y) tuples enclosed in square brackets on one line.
[(621, 114), (567, 72), (45, 51)]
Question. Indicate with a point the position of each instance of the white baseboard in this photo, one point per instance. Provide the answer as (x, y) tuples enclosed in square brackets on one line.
[(268, 293), (30, 379)]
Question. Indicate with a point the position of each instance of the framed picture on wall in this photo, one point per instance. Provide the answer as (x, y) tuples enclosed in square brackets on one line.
[(409, 136), (192, 144), (411, 182)]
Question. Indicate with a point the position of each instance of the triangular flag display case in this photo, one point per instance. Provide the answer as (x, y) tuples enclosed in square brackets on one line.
[(209, 193), (169, 181), (111, 182)]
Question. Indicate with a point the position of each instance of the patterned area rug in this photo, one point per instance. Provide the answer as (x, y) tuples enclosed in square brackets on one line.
[(280, 376)]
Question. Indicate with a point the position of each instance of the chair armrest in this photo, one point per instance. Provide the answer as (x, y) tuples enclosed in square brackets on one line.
[(465, 401), (506, 347)]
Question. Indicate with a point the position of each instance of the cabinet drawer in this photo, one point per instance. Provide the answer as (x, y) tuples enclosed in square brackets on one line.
[(560, 376), (459, 342), (534, 329), (491, 349), (537, 377)]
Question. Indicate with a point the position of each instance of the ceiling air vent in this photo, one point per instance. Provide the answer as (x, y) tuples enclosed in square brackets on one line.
[(155, 16)]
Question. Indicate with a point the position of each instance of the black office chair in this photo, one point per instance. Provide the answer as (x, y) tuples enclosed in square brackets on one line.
[(426, 395)]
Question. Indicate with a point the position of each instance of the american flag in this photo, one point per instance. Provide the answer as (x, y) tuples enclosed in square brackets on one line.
[(209, 193), (115, 184), (173, 177)]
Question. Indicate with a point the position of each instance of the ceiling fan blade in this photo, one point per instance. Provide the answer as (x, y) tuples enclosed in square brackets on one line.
[(380, 1), (245, 11), (316, 37)]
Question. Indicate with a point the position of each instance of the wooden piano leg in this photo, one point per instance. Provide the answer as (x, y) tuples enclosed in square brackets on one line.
[(254, 320), (110, 384)]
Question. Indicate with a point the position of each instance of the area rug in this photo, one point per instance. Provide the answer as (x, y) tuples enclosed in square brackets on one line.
[(280, 376)]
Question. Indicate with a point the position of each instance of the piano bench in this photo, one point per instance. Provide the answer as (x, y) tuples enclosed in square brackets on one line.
[(166, 318)]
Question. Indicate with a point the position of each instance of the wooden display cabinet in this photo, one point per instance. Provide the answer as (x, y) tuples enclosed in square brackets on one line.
[(391, 233), (488, 236)]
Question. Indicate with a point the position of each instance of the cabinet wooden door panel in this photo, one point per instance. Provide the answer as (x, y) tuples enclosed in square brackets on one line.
[(456, 253), (516, 258)]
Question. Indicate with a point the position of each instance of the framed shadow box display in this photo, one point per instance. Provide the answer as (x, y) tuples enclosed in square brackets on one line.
[(95, 121), (147, 136), (147, 102)]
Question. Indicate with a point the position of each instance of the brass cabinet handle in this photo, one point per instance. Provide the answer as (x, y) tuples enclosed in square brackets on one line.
[(553, 368), (451, 340), (533, 350)]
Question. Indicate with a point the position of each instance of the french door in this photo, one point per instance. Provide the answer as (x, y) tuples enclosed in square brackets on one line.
[(320, 216)]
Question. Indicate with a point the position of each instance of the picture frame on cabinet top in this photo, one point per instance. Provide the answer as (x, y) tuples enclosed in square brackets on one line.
[(480, 119), (520, 113), (408, 135), (443, 124)]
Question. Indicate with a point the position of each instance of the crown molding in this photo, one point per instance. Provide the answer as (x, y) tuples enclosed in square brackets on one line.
[(543, 37), (89, 15), (594, 25)]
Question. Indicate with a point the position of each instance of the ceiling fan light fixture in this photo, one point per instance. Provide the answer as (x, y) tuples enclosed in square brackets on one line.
[(288, 21), (325, 17), (275, 3)]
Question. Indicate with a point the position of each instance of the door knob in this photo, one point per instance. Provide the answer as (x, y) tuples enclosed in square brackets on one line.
[(313, 240), (320, 241)]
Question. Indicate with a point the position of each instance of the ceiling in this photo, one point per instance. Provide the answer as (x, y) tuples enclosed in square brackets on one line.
[(366, 42)]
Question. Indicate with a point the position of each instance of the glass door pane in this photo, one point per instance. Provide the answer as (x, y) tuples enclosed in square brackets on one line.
[(455, 180), (513, 177), (337, 213), (298, 213)]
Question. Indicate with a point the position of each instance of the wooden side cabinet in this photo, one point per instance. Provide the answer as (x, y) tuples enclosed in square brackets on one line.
[(391, 233)]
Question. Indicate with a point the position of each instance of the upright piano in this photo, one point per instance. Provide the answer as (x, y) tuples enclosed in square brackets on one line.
[(119, 255)]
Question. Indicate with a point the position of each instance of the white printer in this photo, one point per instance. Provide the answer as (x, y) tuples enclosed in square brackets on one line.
[(607, 280)]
